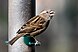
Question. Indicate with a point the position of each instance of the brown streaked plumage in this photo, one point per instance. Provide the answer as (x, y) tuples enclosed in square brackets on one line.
[(34, 26)]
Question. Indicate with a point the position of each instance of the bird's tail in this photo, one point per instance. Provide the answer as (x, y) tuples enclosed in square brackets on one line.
[(11, 42)]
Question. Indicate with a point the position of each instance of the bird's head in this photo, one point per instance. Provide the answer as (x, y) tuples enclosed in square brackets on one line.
[(48, 14)]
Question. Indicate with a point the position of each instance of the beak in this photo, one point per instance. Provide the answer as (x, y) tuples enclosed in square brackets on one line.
[(52, 13)]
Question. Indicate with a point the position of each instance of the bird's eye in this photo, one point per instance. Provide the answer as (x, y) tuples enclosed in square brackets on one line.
[(47, 12)]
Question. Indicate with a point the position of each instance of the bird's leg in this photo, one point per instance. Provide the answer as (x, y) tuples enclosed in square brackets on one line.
[(37, 43)]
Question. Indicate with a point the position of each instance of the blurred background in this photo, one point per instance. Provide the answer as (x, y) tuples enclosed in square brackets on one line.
[(3, 25), (60, 36)]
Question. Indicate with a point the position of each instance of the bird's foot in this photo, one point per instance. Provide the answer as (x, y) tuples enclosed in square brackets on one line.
[(36, 43)]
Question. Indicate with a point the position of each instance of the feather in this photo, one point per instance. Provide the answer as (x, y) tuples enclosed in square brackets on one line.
[(34, 26)]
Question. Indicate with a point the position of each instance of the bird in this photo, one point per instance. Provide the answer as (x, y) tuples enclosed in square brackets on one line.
[(34, 26)]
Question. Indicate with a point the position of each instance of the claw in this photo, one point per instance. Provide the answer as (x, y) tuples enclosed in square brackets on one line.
[(37, 43)]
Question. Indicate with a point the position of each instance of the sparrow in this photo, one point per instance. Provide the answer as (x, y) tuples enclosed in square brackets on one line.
[(34, 26)]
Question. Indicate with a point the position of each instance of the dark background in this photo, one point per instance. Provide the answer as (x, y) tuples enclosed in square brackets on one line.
[(3, 25)]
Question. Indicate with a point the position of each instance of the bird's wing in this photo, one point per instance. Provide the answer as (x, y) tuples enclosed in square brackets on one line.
[(26, 30), (32, 19), (28, 23), (37, 32)]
